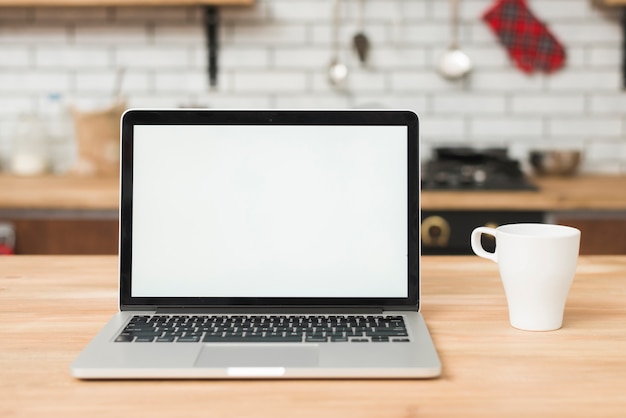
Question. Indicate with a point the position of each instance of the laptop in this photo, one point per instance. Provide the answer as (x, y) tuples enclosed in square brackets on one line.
[(267, 244)]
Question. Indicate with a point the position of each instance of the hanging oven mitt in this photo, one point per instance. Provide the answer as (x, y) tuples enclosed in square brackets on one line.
[(531, 46)]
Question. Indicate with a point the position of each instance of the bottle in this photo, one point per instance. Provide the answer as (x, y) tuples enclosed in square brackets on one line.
[(61, 137)]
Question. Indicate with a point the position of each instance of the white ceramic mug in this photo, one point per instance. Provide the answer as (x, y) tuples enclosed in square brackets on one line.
[(537, 264)]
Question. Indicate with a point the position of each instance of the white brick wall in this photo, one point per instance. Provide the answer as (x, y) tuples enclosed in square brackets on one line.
[(275, 54)]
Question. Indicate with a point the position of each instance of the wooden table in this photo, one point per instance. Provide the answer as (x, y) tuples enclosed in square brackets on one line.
[(50, 306)]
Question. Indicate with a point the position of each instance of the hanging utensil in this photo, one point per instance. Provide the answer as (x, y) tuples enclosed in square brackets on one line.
[(454, 63), (337, 70), (211, 22), (360, 42)]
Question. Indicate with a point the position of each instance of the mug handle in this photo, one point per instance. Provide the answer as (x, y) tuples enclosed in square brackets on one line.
[(477, 246)]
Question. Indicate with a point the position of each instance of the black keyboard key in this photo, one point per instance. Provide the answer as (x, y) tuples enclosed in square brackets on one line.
[(251, 338), (189, 339), (339, 339), (147, 334), (124, 338), (316, 339), (380, 339), (144, 339), (277, 339), (168, 339), (382, 332)]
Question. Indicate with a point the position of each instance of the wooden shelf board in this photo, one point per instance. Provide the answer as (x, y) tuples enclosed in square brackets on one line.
[(86, 3)]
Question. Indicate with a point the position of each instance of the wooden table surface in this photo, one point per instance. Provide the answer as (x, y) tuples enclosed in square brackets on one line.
[(51, 306)]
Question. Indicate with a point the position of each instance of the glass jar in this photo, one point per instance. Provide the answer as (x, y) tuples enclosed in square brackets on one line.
[(29, 155)]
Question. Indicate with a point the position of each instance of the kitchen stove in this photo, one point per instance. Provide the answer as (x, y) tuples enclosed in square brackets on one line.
[(464, 168)]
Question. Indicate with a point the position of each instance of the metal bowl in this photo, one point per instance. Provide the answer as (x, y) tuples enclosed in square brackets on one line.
[(555, 162)]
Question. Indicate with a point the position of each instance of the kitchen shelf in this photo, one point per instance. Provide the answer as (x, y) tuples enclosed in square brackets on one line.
[(100, 3)]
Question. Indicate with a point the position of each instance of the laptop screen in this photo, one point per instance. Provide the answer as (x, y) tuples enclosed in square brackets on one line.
[(244, 208)]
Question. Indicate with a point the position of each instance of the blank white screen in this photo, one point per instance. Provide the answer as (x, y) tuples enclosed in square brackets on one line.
[(269, 211)]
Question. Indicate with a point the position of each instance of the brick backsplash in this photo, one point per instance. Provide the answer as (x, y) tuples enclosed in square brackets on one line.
[(275, 53)]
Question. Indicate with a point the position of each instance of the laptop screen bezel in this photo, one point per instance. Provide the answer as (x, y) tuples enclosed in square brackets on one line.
[(135, 117)]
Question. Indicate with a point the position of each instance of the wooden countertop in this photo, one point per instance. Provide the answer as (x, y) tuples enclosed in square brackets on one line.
[(554, 194), (575, 193), (51, 306), (59, 192)]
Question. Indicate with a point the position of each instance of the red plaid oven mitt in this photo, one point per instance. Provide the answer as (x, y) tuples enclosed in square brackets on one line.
[(531, 46)]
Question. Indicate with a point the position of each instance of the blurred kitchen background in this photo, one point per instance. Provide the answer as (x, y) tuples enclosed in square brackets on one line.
[(99, 60), (275, 54)]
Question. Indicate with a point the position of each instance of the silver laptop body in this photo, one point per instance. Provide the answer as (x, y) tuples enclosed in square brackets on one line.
[(267, 219)]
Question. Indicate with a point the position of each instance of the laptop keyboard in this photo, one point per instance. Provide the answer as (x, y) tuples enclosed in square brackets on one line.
[(264, 328)]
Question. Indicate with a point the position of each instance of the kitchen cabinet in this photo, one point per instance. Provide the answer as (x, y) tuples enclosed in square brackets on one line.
[(61, 215), (601, 232), (28, 3), (63, 233)]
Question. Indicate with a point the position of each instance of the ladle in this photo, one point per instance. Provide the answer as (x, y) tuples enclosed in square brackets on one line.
[(337, 70), (360, 42), (454, 63)]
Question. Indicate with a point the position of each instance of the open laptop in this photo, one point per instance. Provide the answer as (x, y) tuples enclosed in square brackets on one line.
[(267, 244)]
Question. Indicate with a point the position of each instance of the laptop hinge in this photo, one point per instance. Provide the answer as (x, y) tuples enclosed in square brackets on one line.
[(271, 309)]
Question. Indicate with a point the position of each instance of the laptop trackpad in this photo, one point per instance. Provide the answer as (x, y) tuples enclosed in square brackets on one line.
[(258, 355)]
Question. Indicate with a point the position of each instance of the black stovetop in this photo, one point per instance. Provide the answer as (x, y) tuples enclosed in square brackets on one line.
[(464, 168)]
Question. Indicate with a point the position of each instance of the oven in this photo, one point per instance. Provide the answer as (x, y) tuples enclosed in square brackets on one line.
[(447, 232)]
